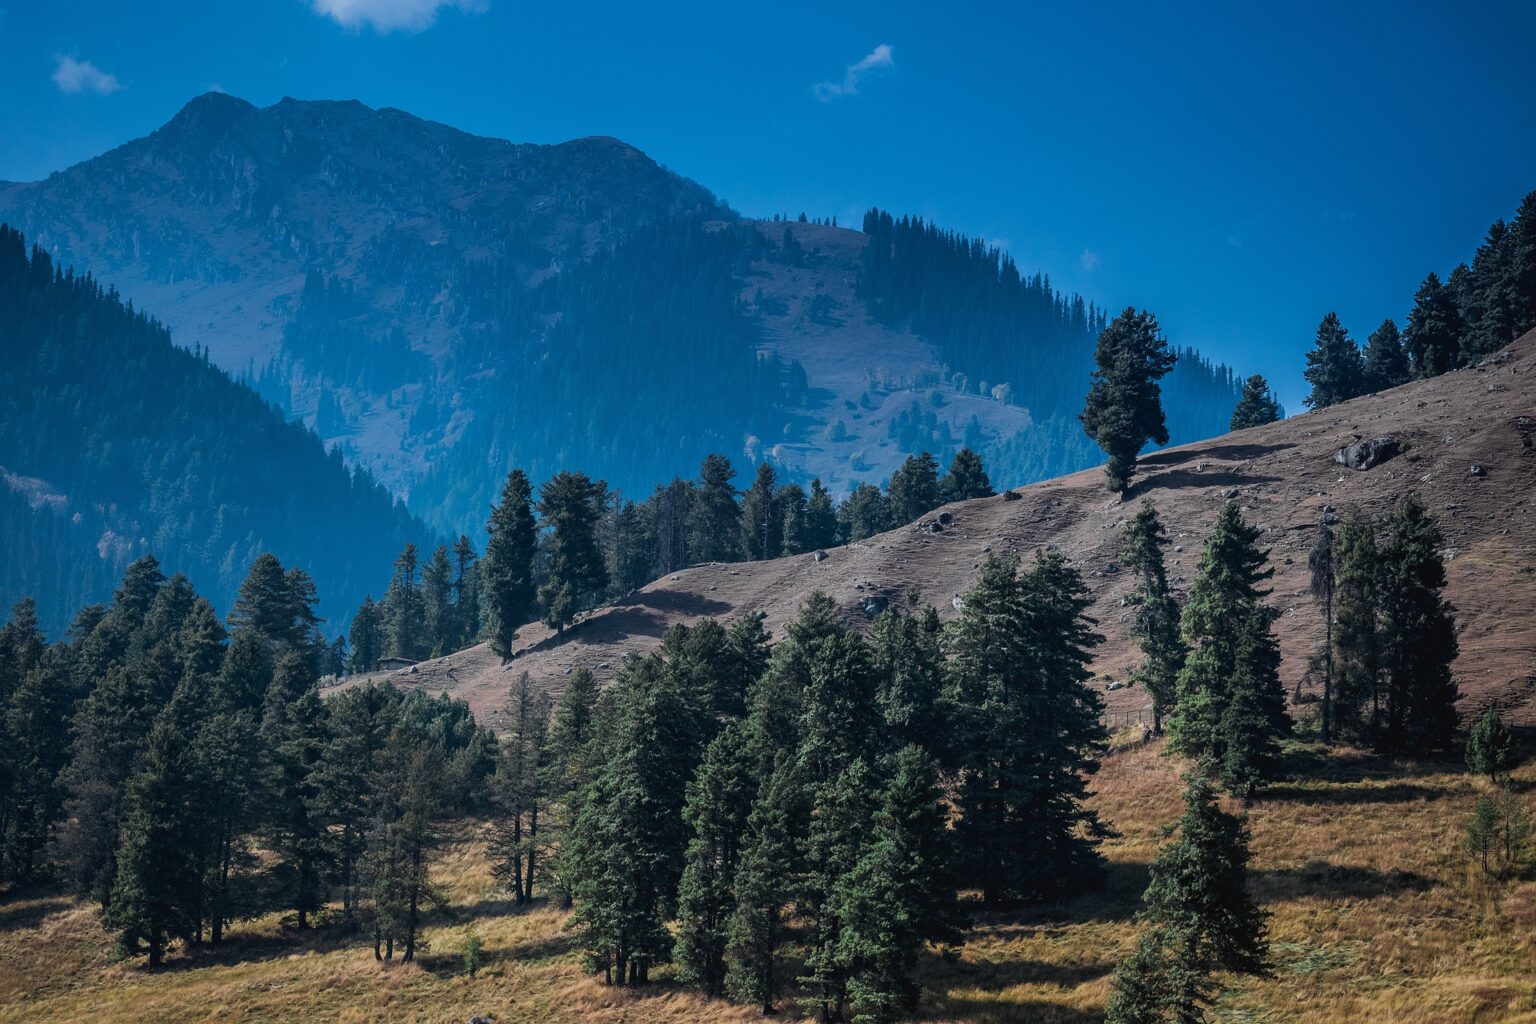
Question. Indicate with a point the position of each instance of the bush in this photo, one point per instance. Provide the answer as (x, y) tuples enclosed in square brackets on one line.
[(469, 949)]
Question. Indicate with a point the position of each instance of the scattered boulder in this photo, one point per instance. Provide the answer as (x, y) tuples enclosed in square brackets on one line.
[(1012, 495), (946, 518), (819, 556), (957, 603), (935, 527), (477, 1019), (1477, 470), (1364, 455), (873, 605)]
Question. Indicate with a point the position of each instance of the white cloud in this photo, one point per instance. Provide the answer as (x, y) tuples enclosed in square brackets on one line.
[(77, 76), (878, 59), (388, 15), (1090, 260)]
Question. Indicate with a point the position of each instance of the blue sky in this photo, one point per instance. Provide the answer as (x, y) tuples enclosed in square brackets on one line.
[(1238, 168)]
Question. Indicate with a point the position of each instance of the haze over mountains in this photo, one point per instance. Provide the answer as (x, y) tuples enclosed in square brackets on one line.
[(440, 307)]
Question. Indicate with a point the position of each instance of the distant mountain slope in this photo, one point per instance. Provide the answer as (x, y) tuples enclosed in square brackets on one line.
[(1283, 476), (442, 306), (114, 443)]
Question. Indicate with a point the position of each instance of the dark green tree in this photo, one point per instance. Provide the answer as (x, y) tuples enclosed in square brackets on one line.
[(1219, 629), (792, 509), (1201, 916), (506, 574), (367, 637), (155, 887), (914, 489), (1155, 623), (405, 620), (717, 812), (1418, 633), (863, 514), (570, 506), (714, 518), (900, 896), (1432, 338), (1322, 564), (1334, 367), (762, 522), (1385, 362), (1028, 730), (820, 518), (1357, 653), (1490, 746), (1124, 409), (1257, 406), (909, 662), (440, 626), (520, 787), (466, 592), (966, 478)]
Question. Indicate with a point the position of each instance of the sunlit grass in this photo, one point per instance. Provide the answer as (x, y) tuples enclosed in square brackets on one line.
[(1377, 916)]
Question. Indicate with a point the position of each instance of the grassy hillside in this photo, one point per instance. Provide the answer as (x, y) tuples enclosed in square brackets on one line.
[(1377, 916), (1282, 475)]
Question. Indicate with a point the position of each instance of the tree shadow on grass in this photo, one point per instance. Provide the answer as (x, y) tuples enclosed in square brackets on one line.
[(1179, 479), (1338, 881), (1218, 451), (1343, 794), (29, 907)]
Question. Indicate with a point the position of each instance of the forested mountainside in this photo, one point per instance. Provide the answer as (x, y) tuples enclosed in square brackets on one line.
[(115, 443), (442, 307)]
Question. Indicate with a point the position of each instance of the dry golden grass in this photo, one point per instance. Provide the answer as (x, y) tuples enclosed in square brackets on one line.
[(1376, 917)]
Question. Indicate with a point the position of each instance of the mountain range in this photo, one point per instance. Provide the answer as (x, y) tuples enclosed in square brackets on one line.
[(440, 307)]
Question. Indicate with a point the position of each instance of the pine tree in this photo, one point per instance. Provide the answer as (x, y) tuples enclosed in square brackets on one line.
[(1028, 731), (631, 551), (466, 593), (367, 637), (1218, 624), (863, 514), (1418, 633), (35, 726), (913, 490), (966, 478), (403, 842), (900, 896), (155, 885), (294, 732), (1334, 366), (520, 785), (1433, 336), (714, 519), (841, 817), (439, 628), (909, 662), (765, 881), (762, 523), (1357, 653), (569, 508), (1385, 362), (1490, 747), (1257, 406), (719, 806), (1202, 918), (1255, 715), (1522, 266), (1124, 408), (820, 518), (405, 623), (1155, 624), (792, 508), (506, 574)]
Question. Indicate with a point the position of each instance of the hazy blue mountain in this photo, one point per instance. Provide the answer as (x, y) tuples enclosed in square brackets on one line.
[(440, 306)]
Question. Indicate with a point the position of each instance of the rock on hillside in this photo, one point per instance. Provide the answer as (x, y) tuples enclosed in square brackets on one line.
[(1284, 477)]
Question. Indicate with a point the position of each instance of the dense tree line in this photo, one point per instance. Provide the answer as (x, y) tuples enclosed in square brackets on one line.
[(576, 544), (151, 754), (723, 802), (1475, 312), (115, 442)]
